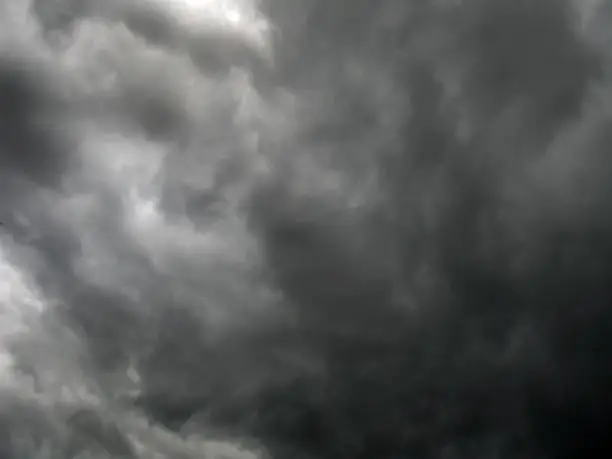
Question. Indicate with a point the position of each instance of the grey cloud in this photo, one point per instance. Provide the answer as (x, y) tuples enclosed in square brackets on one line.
[(31, 144), (391, 239), (213, 43)]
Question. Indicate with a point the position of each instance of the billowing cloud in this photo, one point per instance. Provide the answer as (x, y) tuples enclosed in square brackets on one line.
[(328, 229)]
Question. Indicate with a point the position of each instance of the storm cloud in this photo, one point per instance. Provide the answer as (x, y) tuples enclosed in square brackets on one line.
[(323, 229)]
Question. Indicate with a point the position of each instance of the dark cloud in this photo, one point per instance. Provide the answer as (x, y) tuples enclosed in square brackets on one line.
[(29, 141), (371, 231), (451, 214)]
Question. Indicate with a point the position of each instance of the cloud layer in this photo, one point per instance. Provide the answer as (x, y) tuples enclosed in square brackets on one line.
[(337, 229)]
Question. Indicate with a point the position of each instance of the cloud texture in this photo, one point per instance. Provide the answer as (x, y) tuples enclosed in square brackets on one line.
[(322, 229)]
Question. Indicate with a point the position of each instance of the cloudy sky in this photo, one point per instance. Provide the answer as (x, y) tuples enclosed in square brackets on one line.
[(339, 228)]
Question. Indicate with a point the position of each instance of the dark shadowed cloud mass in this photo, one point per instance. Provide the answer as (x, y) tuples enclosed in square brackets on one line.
[(305, 228)]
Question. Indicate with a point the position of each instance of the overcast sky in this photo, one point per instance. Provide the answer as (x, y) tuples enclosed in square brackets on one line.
[(178, 178)]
